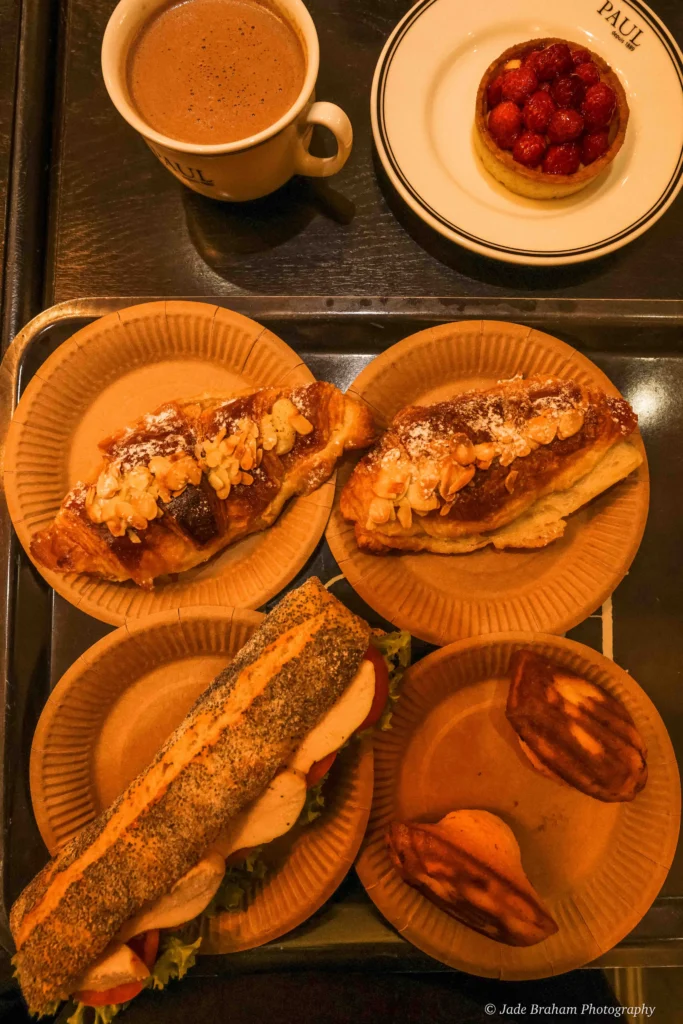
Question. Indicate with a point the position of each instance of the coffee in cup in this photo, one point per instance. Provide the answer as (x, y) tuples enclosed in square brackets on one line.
[(223, 91), (212, 71)]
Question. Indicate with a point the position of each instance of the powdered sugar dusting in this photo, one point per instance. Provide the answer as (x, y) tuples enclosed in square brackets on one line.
[(499, 415), (164, 432)]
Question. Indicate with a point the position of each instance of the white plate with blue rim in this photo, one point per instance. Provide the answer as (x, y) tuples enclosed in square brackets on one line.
[(423, 104)]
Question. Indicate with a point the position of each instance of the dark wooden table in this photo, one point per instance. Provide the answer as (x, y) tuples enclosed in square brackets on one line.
[(115, 223), (119, 224), (10, 12)]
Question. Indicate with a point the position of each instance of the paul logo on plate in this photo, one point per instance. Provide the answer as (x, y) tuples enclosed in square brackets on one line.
[(624, 29)]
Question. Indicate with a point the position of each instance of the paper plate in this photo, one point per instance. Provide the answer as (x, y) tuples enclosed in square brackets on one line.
[(441, 598), (116, 706), (106, 376), (596, 866), (423, 103)]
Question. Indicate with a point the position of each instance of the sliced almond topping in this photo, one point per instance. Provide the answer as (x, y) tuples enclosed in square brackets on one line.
[(301, 424), (139, 478), (510, 480), (570, 423), (146, 506), (247, 479), (380, 511), (405, 516), (419, 501), (453, 479), (123, 509), (392, 482), (137, 521), (282, 413), (268, 433), (216, 480), (159, 465), (107, 485), (485, 452), (464, 451), (541, 429)]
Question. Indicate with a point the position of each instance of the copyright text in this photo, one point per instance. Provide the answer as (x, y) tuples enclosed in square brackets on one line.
[(585, 1010)]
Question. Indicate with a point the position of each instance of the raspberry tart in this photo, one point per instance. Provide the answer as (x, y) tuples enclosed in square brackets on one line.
[(551, 116)]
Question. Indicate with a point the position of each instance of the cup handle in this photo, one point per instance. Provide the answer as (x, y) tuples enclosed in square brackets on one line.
[(329, 115)]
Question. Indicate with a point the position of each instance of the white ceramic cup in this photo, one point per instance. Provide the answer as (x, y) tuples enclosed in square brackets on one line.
[(250, 167)]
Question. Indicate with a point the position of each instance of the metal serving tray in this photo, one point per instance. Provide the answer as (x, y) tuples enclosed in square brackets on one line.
[(639, 344)]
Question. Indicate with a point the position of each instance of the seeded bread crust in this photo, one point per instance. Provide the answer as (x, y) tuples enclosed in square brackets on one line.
[(70, 912)]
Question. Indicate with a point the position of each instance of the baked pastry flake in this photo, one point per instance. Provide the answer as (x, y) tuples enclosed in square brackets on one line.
[(502, 466), (192, 477)]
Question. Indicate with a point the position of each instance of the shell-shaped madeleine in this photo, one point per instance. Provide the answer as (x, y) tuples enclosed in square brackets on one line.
[(469, 865), (574, 730)]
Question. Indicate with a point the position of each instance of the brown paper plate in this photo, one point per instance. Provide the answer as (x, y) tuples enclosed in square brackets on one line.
[(116, 706), (112, 372), (441, 598), (597, 866)]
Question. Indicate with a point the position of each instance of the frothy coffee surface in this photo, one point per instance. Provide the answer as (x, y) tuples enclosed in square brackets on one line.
[(213, 71)]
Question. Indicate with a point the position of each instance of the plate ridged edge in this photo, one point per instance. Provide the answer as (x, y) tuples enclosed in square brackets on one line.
[(57, 396), (64, 744), (610, 903), (605, 546), (319, 860), (60, 768)]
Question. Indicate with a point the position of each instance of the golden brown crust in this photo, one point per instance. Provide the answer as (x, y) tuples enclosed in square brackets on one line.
[(469, 866), (197, 520), (534, 183), (575, 730), (453, 476), (223, 755)]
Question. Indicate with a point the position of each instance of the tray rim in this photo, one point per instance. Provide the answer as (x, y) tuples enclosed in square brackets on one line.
[(385, 949)]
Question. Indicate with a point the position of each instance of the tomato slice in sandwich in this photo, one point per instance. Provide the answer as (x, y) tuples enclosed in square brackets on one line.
[(110, 996), (319, 768), (146, 946), (381, 688)]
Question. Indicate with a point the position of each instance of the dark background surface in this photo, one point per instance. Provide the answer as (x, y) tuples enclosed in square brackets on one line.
[(120, 224), (10, 12), (117, 223)]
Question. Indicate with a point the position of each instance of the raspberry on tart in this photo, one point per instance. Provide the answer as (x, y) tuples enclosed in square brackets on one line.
[(550, 117)]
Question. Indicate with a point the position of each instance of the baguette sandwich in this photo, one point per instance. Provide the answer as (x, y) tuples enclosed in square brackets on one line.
[(233, 776)]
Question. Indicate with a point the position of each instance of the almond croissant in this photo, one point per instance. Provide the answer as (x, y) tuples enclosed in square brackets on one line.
[(192, 477)]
